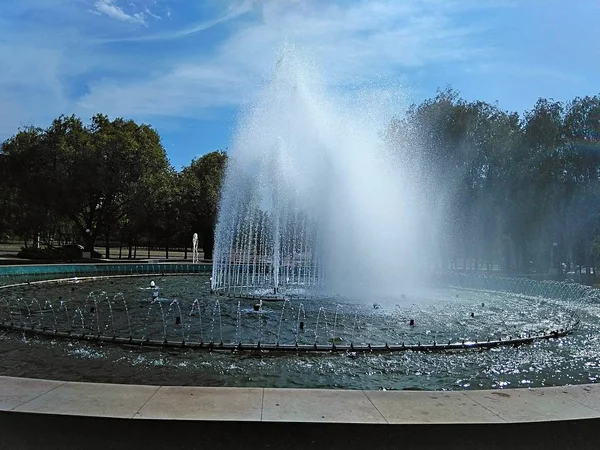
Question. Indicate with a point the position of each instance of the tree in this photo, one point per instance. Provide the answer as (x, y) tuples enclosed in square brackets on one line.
[(465, 148), (202, 180), (89, 176), (31, 166), (496, 188), (582, 207), (130, 162), (7, 198)]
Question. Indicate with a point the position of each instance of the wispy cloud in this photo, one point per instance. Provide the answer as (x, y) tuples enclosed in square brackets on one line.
[(47, 46), (151, 59), (151, 14), (352, 41), (233, 11), (110, 9), (30, 85), (180, 92)]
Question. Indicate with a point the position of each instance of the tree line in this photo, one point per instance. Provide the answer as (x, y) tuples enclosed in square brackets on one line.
[(106, 181), (519, 192)]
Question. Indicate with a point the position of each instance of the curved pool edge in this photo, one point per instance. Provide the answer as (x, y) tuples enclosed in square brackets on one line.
[(51, 414), (135, 402)]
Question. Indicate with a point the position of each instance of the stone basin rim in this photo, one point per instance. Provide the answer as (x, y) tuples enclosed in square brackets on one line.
[(135, 401)]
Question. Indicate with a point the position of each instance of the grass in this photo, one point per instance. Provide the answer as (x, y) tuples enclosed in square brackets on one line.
[(11, 249)]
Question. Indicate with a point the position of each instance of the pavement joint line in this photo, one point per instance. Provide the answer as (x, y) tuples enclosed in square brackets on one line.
[(147, 400), (595, 409), (557, 394), (376, 409), (466, 394), (38, 396), (262, 404)]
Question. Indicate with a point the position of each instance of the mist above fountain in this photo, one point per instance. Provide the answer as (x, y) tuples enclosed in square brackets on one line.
[(313, 200)]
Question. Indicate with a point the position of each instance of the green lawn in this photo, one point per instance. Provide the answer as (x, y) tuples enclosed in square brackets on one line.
[(11, 249)]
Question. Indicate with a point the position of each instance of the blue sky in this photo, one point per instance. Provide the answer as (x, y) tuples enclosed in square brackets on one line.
[(188, 67)]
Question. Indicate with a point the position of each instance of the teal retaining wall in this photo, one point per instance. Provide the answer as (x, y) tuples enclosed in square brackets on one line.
[(29, 273)]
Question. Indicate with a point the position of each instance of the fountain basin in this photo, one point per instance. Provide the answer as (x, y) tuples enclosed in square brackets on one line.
[(343, 343)]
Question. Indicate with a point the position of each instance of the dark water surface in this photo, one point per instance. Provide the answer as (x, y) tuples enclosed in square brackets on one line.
[(123, 306)]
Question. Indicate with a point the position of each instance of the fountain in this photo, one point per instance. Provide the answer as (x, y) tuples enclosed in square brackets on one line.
[(310, 205), (195, 257), (323, 247)]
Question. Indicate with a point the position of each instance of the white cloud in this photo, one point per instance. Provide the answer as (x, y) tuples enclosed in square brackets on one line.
[(37, 85), (69, 72), (31, 78), (151, 14), (234, 11), (177, 93), (109, 8), (352, 42)]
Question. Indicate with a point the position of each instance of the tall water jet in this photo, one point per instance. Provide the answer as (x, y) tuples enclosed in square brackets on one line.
[(314, 202)]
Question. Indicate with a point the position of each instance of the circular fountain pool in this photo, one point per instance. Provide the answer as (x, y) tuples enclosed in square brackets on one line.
[(185, 311)]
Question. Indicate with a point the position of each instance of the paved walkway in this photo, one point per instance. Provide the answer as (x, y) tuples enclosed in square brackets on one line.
[(299, 405), (44, 414)]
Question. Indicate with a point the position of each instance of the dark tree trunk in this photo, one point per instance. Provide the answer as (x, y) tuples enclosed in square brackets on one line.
[(90, 240), (208, 242), (107, 244)]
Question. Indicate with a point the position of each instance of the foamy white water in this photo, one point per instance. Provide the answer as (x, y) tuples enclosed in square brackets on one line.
[(313, 198)]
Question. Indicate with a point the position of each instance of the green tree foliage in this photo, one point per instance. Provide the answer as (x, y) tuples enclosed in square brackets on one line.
[(89, 175), (28, 165), (502, 189), (7, 199), (462, 147), (201, 182), (512, 187)]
